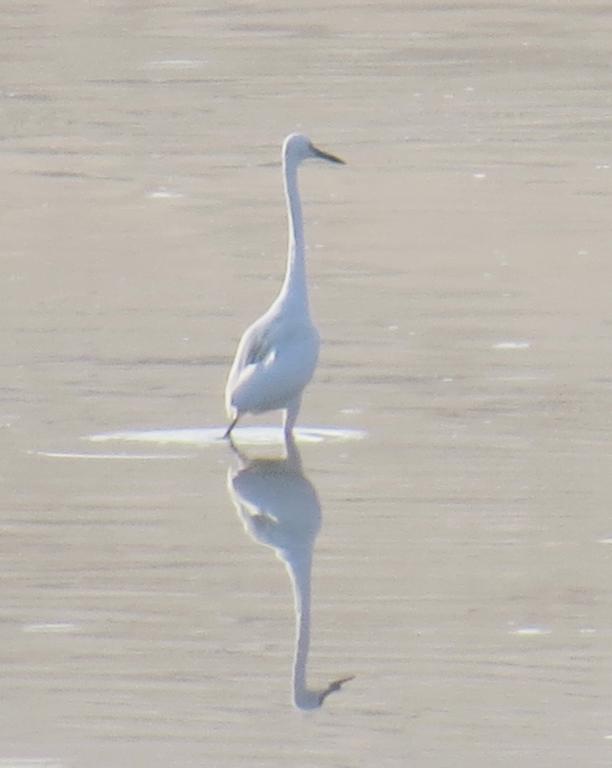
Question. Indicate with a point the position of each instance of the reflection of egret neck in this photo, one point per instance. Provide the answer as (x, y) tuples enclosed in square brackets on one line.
[(280, 508), (299, 568)]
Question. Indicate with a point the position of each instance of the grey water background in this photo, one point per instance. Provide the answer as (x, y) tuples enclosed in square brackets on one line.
[(460, 268)]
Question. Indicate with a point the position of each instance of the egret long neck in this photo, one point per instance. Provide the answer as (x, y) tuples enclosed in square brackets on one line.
[(294, 290)]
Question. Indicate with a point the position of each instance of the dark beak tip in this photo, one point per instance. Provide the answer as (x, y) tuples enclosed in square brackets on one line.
[(328, 156)]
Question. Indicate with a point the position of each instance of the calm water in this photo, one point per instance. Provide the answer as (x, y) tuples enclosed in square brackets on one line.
[(445, 537)]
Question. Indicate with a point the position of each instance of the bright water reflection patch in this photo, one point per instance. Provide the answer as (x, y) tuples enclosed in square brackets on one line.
[(54, 628), (512, 345), (530, 631), (111, 456), (26, 762), (214, 435)]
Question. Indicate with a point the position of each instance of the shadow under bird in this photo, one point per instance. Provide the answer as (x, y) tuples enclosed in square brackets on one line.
[(277, 355)]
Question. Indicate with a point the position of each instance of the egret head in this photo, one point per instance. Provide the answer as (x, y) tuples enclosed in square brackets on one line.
[(298, 147), (305, 698)]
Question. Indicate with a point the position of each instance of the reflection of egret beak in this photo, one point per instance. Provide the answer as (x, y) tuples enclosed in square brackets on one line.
[(335, 686)]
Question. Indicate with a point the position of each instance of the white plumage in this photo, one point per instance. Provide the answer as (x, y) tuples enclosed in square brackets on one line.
[(277, 355)]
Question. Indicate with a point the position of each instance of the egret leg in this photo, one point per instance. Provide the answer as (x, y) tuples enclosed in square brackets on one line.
[(228, 431), (291, 414), (294, 460)]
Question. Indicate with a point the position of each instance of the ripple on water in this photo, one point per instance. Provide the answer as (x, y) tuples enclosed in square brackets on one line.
[(26, 762), (214, 435), (530, 631), (51, 628), (112, 456), (512, 345)]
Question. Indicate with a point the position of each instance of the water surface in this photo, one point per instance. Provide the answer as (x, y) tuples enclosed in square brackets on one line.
[(161, 608)]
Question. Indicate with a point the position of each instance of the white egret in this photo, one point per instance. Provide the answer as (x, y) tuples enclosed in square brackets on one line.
[(277, 355)]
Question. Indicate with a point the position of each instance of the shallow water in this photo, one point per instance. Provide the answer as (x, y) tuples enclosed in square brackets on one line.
[(167, 602)]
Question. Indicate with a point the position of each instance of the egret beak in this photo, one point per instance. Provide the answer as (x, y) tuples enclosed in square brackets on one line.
[(326, 155)]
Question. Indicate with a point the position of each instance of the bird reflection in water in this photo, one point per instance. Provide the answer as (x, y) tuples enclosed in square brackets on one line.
[(279, 507)]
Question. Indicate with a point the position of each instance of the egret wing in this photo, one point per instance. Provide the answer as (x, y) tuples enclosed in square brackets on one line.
[(279, 370), (253, 348)]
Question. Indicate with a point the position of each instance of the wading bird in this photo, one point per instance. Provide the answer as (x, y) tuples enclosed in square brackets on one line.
[(278, 353)]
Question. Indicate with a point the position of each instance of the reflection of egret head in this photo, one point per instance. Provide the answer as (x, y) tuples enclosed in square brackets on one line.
[(279, 508), (307, 699)]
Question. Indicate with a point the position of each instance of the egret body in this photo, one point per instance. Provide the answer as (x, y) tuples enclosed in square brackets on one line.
[(277, 355)]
